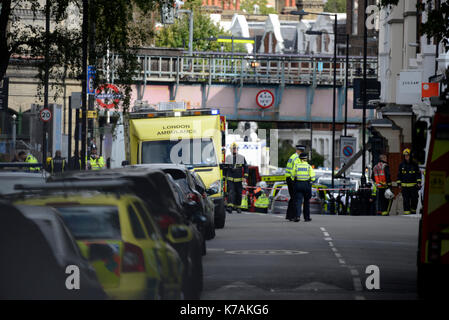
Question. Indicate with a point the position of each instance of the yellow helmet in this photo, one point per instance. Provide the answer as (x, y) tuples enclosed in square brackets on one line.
[(406, 151), (234, 145)]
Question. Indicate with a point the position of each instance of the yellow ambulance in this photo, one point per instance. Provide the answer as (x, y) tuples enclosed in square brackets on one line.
[(191, 137)]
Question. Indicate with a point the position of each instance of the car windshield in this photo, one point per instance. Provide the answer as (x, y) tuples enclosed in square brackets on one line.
[(92, 222), (192, 152), (7, 182)]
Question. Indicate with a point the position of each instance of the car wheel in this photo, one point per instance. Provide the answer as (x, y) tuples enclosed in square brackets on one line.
[(220, 217)]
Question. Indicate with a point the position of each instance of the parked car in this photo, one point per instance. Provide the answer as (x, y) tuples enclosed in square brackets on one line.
[(162, 201), (117, 234), (185, 180), (37, 248), (10, 178), (209, 204)]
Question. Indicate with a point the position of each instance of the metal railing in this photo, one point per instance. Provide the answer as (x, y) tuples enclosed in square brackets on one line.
[(248, 68)]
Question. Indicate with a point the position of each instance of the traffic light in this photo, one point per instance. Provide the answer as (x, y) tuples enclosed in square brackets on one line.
[(420, 141)]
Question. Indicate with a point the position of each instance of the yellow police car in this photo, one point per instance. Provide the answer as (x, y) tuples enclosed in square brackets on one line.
[(117, 235)]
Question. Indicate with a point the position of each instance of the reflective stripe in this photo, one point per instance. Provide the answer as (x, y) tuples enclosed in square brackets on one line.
[(408, 184)]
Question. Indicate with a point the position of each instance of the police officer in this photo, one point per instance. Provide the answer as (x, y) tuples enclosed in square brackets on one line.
[(291, 209), (95, 161), (308, 194), (29, 159), (302, 175), (409, 181), (57, 164), (262, 201), (382, 179), (235, 171)]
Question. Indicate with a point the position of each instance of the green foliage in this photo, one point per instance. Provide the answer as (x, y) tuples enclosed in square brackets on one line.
[(285, 150), (336, 6), (248, 6), (317, 159), (118, 27), (177, 34)]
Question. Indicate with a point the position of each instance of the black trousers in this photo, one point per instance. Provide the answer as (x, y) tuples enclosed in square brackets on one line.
[(235, 194), (410, 199), (307, 197), (383, 204), (291, 209)]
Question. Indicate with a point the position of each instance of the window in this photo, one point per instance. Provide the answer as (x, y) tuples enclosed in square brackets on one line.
[(195, 152), (135, 224), (355, 12), (92, 222), (151, 229)]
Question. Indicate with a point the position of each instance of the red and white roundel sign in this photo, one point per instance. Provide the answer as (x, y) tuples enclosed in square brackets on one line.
[(45, 115), (108, 96), (265, 99)]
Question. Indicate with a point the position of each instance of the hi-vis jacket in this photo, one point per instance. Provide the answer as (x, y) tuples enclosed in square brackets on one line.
[(381, 175), (409, 174), (290, 164), (302, 171), (237, 168), (31, 159)]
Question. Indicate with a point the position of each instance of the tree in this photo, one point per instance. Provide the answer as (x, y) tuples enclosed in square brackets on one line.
[(177, 34), (336, 6), (317, 159), (285, 150), (115, 31), (248, 7)]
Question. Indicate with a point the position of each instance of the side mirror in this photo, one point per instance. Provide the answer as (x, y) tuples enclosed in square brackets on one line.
[(98, 251), (125, 163), (178, 233)]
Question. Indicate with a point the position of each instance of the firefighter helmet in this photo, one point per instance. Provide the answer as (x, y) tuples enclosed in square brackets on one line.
[(406, 151)]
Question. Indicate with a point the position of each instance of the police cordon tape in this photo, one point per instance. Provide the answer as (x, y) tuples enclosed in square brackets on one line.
[(331, 189)]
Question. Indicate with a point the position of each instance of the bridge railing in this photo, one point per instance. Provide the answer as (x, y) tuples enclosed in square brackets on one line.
[(244, 68)]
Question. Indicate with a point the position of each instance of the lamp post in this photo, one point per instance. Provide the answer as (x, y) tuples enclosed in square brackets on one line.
[(304, 13)]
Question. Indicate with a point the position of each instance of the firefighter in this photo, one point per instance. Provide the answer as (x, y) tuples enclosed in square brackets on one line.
[(301, 175), (95, 162), (409, 182), (57, 164), (236, 171), (262, 201), (291, 210), (29, 159), (308, 194), (382, 179)]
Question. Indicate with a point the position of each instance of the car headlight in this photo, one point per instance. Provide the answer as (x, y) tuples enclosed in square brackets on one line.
[(216, 185)]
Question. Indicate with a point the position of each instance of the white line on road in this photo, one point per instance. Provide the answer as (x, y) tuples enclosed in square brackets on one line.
[(357, 284), (326, 234), (338, 255), (334, 249), (342, 261), (331, 244), (354, 272), (328, 239), (322, 229)]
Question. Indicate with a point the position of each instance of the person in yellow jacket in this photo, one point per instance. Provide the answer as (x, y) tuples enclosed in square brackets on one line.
[(303, 174), (29, 159), (94, 161), (291, 209), (308, 195), (262, 201)]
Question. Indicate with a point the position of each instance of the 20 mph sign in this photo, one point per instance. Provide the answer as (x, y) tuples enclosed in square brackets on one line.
[(45, 115)]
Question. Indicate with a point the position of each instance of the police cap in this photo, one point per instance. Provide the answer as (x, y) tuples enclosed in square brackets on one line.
[(303, 155), (300, 147)]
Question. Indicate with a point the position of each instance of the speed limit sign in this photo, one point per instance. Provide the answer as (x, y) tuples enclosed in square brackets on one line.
[(45, 115)]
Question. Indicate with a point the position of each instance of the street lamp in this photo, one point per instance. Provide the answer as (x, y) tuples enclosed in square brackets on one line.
[(304, 13)]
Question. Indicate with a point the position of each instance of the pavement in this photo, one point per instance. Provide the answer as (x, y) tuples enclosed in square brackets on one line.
[(265, 257)]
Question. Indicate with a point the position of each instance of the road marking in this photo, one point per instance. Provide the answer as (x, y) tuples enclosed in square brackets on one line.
[(354, 273), (267, 252), (215, 249)]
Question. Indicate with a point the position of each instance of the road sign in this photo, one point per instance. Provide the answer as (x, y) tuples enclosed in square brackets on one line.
[(90, 80), (372, 93), (108, 96), (45, 115), (347, 148), (265, 99)]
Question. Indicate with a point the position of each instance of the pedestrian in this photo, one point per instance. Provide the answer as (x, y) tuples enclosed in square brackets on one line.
[(28, 158), (308, 194), (291, 209), (57, 164), (382, 179), (95, 162), (236, 171), (75, 161), (302, 174), (409, 182)]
